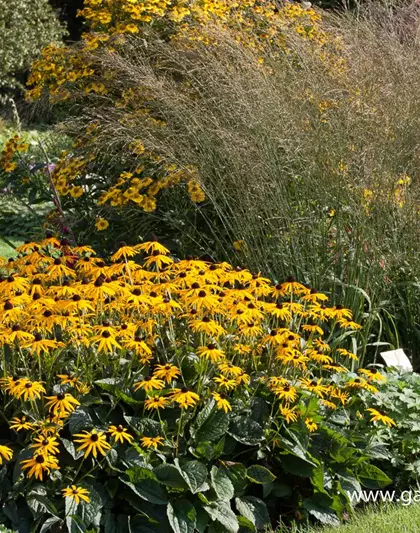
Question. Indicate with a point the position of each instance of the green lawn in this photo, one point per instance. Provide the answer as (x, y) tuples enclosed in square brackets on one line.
[(390, 519)]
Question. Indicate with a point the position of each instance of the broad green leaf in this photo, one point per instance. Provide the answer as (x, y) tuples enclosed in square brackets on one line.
[(372, 477), (144, 426), (320, 507), (237, 474), (47, 525), (213, 428), (221, 483), (70, 448), (297, 466), (170, 475), (246, 431), (201, 418), (182, 516), (79, 420), (254, 510), (260, 474), (194, 474), (221, 512), (149, 490)]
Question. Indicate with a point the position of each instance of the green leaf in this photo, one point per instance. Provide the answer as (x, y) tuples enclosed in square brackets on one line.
[(237, 474), (297, 466), (319, 506), (213, 428), (113, 386), (182, 516), (372, 477), (222, 484), (80, 420), (202, 520), (47, 525), (194, 474), (245, 524), (260, 474), (208, 450), (317, 478), (254, 510), (170, 475), (246, 431), (70, 448), (221, 512), (143, 482), (144, 426)]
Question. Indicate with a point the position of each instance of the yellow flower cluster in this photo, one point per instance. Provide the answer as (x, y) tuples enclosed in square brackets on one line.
[(8, 155), (61, 307), (68, 170), (141, 189)]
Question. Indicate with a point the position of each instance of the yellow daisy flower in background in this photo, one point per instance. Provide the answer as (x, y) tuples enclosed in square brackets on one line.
[(76, 493), (222, 402), (378, 416), (311, 425), (61, 403), (19, 424), (40, 464), (6, 453), (92, 442), (120, 434), (184, 397), (167, 372), (45, 445), (101, 224), (149, 383), (28, 390), (157, 402), (151, 442)]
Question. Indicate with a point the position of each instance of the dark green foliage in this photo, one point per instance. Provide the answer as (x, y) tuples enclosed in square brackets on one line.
[(25, 28)]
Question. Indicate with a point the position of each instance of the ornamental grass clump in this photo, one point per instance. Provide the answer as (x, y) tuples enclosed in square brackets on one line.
[(148, 389)]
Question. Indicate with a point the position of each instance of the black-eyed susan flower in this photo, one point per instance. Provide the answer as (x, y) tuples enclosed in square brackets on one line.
[(125, 251), (152, 246), (61, 403), (151, 442), (290, 414), (222, 402), (39, 344), (379, 416), (208, 326), (45, 445), (5, 453), (92, 442), (105, 342), (225, 383), (156, 402), (28, 390), (311, 425), (120, 434), (372, 374), (101, 224), (211, 352), (286, 392), (184, 397), (77, 494), (149, 383), (39, 465), (19, 424), (167, 372)]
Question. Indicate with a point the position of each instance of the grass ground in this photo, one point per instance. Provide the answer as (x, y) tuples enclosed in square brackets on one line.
[(390, 519)]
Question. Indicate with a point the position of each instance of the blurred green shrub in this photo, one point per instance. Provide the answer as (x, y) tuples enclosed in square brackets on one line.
[(25, 28)]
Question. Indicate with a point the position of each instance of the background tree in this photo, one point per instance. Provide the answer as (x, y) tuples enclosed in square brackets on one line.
[(26, 26)]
